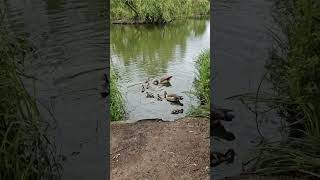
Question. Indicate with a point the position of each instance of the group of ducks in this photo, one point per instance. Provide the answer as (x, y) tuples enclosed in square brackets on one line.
[(173, 98), (218, 115)]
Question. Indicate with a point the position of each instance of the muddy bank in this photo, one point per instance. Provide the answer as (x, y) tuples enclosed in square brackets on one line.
[(160, 150)]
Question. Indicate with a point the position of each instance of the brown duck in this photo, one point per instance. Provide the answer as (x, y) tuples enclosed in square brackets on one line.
[(172, 97), (163, 80)]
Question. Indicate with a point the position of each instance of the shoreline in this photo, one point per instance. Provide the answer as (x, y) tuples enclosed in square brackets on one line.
[(143, 22)]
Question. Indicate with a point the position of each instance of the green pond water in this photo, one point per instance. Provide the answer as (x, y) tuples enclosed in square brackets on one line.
[(139, 52)]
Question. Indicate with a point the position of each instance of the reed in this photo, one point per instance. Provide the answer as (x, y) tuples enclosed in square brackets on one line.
[(294, 71), (25, 149), (117, 107), (201, 85)]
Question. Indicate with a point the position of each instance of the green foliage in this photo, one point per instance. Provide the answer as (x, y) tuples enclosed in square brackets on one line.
[(25, 151), (202, 85), (200, 7), (202, 81), (117, 107), (157, 11), (296, 156), (295, 74)]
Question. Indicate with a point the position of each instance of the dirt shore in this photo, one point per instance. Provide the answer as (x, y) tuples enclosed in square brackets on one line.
[(160, 150)]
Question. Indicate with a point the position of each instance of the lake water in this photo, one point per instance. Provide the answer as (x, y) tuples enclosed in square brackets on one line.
[(144, 51), (241, 42), (69, 58)]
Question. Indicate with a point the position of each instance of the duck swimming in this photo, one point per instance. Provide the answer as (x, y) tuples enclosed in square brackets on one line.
[(218, 158), (163, 80), (177, 111), (142, 88), (150, 95), (172, 97), (222, 114)]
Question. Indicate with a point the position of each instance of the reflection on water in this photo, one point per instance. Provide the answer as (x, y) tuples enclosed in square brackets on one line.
[(241, 48), (142, 52), (69, 57)]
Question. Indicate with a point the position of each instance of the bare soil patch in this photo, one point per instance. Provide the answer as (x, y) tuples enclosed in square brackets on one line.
[(160, 150)]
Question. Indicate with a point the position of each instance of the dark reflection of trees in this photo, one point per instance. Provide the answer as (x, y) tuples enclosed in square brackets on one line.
[(201, 27), (152, 47)]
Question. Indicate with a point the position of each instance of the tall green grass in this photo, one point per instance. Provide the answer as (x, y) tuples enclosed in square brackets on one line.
[(117, 107), (157, 11), (25, 149), (201, 85), (294, 71)]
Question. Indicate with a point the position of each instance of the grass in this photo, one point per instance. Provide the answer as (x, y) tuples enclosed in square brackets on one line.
[(157, 11), (201, 86), (25, 149), (117, 107), (294, 71)]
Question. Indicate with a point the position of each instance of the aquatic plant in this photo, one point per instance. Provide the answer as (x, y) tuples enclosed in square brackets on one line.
[(294, 71), (117, 107), (201, 85), (25, 149), (157, 11)]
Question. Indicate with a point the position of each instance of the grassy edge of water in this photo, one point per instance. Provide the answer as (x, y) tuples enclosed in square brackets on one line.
[(117, 107), (26, 151), (294, 72), (156, 12), (201, 86)]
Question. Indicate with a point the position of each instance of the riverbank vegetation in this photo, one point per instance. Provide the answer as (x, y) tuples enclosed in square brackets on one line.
[(155, 11), (201, 85), (294, 72), (117, 107), (25, 149)]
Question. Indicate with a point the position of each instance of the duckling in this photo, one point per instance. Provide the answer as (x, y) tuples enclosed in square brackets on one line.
[(218, 158), (172, 97), (142, 88), (150, 95), (159, 98), (222, 114), (176, 111)]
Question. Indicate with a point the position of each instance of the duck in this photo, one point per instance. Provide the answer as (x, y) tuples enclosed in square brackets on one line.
[(164, 80), (177, 111), (148, 85), (172, 97), (142, 88), (222, 114), (218, 158), (150, 95)]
